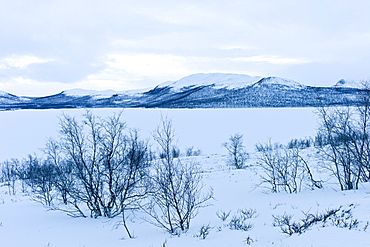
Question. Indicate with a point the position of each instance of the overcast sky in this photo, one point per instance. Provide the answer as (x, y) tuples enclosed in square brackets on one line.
[(48, 46)]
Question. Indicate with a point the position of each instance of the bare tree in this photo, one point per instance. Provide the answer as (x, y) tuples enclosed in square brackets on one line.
[(344, 143), (9, 175), (40, 177), (80, 145), (176, 187), (65, 181), (362, 147), (236, 151), (99, 164), (284, 168), (340, 150)]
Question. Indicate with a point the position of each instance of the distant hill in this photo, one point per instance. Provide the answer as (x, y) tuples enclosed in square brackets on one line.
[(214, 90)]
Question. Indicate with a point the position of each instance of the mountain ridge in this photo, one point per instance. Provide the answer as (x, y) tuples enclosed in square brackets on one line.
[(219, 80), (202, 90)]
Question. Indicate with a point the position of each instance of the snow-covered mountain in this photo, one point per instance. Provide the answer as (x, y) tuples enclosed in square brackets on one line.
[(83, 92), (78, 92), (212, 90), (279, 82), (350, 83), (2, 93), (8, 99), (216, 80)]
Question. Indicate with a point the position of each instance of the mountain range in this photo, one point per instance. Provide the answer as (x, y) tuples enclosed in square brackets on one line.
[(215, 90)]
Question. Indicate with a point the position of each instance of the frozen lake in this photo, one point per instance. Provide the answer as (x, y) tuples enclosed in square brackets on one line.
[(25, 132)]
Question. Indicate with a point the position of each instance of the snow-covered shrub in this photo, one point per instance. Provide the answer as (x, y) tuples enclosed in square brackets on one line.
[(300, 143), (8, 175), (336, 217), (248, 213), (239, 220), (248, 240), (191, 152), (236, 151), (204, 231), (366, 226), (222, 215), (284, 168), (344, 219), (40, 177)]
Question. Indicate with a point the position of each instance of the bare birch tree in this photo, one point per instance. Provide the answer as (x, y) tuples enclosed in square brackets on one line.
[(284, 168), (100, 165), (344, 141), (176, 187)]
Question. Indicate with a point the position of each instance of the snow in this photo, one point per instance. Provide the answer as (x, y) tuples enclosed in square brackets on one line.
[(349, 83), (2, 93), (83, 92), (24, 222), (218, 80), (25, 132), (93, 93), (279, 81), (77, 92), (6, 98)]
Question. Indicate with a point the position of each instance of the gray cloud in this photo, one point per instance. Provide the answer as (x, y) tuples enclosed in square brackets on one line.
[(286, 38)]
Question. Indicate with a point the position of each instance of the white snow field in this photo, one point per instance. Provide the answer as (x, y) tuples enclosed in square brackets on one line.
[(26, 223), (25, 132)]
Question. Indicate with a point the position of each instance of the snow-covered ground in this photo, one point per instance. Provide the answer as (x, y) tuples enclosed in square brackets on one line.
[(24, 222), (25, 132)]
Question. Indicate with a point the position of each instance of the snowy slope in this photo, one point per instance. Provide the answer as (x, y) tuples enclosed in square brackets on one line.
[(217, 80), (77, 92), (2, 93), (7, 98), (277, 81), (345, 83), (83, 92), (92, 93)]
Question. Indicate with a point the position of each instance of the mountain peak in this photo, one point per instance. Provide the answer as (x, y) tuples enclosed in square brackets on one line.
[(3, 93), (349, 83), (272, 80)]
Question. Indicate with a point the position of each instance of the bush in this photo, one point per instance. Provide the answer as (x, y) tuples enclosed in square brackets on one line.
[(239, 221), (300, 143), (335, 217), (236, 150), (204, 231), (284, 168), (248, 213), (191, 152), (222, 215), (8, 175)]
